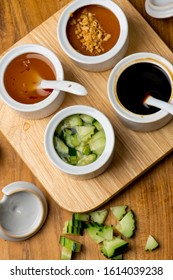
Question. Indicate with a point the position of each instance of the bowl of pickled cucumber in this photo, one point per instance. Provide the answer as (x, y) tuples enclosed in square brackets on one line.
[(80, 141)]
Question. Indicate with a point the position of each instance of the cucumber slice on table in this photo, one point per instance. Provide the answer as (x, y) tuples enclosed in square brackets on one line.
[(72, 229), (66, 253), (93, 229), (118, 257), (119, 211), (76, 223), (111, 246), (80, 217), (70, 244), (127, 225), (99, 216), (151, 243), (106, 232), (114, 247)]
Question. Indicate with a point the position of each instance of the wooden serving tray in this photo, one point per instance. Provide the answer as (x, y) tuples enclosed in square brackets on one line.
[(135, 152)]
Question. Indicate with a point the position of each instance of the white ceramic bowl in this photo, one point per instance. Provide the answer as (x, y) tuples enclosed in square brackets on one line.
[(23, 210), (43, 108), (136, 121), (100, 62), (93, 169), (159, 8)]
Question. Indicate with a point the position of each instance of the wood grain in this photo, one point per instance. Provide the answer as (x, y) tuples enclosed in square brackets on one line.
[(151, 196), (133, 150)]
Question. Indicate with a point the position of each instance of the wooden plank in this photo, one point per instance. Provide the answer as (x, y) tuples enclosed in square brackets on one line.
[(135, 152)]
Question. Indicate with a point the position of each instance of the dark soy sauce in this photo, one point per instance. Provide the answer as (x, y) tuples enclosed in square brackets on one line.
[(141, 79)]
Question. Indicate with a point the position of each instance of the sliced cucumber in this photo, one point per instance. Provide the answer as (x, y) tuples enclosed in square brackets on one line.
[(70, 244), (119, 211), (93, 229), (73, 227), (66, 253), (72, 121), (69, 228), (72, 137), (60, 146), (74, 230), (73, 140), (86, 159), (87, 119), (118, 257), (98, 125), (64, 230), (97, 142), (106, 232), (76, 223), (151, 243), (99, 216), (98, 135), (80, 217), (72, 151), (127, 225), (84, 149), (85, 132), (114, 247), (73, 160), (66, 132), (59, 128)]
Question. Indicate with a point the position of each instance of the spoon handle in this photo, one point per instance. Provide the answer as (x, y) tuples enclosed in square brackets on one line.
[(66, 86), (159, 104)]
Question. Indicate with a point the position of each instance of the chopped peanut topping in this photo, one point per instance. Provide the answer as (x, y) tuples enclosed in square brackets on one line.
[(90, 32)]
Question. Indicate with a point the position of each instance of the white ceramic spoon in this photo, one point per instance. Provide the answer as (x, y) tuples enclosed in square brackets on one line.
[(67, 86), (152, 101)]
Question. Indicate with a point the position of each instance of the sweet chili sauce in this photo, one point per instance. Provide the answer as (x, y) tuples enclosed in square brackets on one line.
[(23, 75)]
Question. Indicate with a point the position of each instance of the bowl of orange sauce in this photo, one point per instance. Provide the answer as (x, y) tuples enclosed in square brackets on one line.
[(22, 69), (94, 34)]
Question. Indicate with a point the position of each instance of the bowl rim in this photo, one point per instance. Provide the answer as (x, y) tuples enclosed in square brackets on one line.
[(157, 10), (78, 57), (86, 169), (118, 69), (19, 50)]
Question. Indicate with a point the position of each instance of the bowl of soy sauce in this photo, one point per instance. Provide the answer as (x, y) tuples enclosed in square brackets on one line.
[(131, 80)]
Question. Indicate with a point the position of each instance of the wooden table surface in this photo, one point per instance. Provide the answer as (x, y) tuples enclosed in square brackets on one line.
[(150, 197)]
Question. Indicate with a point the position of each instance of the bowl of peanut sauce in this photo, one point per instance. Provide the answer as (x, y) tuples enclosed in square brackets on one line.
[(94, 34)]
